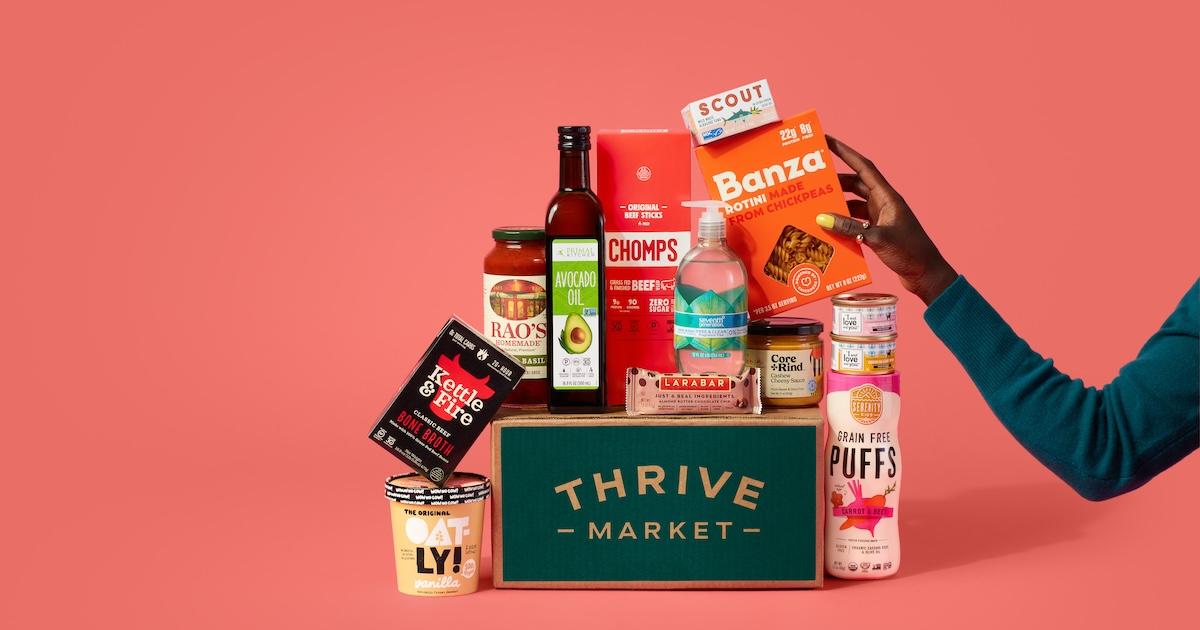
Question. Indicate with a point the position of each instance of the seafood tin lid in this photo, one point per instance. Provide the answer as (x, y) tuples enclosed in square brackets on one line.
[(800, 326), (519, 233), (863, 299), (460, 488), (871, 340)]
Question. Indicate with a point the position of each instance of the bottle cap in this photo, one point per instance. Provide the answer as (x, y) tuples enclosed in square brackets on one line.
[(712, 221), (574, 138)]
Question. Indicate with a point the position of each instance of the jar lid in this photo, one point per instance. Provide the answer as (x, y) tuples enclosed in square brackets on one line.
[(519, 233), (802, 326), (863, 299), (459, 488)]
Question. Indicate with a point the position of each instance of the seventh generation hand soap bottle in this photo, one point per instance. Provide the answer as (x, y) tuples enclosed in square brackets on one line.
[(710, 300)]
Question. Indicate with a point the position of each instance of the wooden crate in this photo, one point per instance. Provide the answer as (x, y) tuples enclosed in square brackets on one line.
[(746, 513)]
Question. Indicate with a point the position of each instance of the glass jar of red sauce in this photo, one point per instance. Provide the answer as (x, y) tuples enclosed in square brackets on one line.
[(514, 307)]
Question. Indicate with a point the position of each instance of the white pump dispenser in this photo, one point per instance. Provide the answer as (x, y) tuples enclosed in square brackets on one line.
[(712, 220)]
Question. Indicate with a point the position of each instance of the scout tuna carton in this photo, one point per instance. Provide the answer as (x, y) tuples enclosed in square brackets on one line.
[(777, 179), (643, 177), (722, 115)]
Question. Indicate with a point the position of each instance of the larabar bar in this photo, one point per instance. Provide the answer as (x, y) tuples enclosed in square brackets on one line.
[(643, 177), (777, 179), (651, 393)]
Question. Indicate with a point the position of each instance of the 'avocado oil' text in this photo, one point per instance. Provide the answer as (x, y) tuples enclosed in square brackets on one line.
[(575, 275)]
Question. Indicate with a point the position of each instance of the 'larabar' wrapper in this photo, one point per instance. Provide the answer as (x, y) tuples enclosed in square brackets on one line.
[(777, 179), (652, 393)]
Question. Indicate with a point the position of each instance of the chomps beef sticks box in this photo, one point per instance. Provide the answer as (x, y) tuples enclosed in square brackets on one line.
[(446, 401), (777, 179), (643, 177)]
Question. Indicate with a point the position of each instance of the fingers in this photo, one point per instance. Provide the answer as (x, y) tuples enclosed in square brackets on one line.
[(852, 183), (839, 224), (860, 210), (870, 175)]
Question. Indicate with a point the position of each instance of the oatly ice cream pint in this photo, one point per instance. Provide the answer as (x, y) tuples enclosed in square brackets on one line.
[(438, 532)]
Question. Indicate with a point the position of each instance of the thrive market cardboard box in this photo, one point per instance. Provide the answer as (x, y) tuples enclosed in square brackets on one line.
[(667, 502), (643, 175), (778, 178)]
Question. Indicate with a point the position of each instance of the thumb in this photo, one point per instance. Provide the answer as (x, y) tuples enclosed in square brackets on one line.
[(839, 224)]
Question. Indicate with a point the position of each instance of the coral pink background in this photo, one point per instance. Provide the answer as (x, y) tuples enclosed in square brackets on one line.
[(230, 229)]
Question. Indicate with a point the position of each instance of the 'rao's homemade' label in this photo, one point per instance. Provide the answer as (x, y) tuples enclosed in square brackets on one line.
[(514, 319)]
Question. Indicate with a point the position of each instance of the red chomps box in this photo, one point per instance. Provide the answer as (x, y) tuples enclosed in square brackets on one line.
[(642, 179)]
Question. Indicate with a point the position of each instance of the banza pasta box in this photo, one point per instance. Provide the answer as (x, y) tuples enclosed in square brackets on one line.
[(777, 179)]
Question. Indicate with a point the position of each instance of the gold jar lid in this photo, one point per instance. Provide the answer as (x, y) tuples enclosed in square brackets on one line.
[(864, 300), (846, 339)]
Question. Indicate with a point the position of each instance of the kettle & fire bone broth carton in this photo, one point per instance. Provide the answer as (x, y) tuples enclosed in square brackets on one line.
[(644, 175), (777, 179)]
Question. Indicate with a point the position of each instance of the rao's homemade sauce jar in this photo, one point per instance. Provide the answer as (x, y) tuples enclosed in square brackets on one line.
[(514, 307), (790, 354)]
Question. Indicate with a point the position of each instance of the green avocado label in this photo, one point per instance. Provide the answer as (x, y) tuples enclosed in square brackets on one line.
[(575, 281)]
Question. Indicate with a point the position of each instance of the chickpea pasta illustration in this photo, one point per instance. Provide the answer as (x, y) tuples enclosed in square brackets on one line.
[(796, 247)]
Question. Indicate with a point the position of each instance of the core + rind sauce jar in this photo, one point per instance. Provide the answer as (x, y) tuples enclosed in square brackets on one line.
[(790, 354), (514, 306)]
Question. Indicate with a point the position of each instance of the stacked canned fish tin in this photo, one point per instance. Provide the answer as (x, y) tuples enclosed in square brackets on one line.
[(863, 334)]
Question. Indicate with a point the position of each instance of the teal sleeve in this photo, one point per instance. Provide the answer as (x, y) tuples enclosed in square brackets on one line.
[(1102, 442)]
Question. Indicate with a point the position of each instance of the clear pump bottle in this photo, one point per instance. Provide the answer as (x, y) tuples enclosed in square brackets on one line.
[(710, 300)]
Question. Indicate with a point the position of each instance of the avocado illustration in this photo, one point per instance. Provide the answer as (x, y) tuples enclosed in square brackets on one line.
[(576, 335)]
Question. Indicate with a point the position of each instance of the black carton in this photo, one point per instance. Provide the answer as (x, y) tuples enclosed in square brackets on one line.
[(447, 401)]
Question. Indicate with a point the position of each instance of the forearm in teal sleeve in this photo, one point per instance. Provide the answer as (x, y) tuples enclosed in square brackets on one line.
[(1102, 442)]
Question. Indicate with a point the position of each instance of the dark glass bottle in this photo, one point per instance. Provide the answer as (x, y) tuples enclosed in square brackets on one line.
[(575, 275)]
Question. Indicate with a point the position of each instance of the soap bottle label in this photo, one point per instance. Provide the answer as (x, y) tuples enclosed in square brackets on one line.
[(715, 324)]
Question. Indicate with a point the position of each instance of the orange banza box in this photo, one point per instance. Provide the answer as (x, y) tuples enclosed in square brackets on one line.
[(778, 178), (643, 176)]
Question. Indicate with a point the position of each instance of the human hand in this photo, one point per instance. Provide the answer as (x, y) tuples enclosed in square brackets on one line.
[(888, 226)]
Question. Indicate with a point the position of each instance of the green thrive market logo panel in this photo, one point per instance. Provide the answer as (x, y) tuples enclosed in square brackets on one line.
[(658, 503)]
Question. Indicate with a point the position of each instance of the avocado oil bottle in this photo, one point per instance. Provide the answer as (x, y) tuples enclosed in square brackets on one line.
[(575, 273)]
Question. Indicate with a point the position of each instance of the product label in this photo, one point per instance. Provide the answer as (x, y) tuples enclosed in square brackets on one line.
[(787, 373), (677, 503), (575, 281), (864, 357), (643, 177), (864, 321), (454, 391), (437, 549), (514, 319), (863, 475), (850, 359), (712, 324), (778, 179)]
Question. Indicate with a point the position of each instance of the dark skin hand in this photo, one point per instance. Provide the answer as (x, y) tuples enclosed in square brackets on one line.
[(889, 227)]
